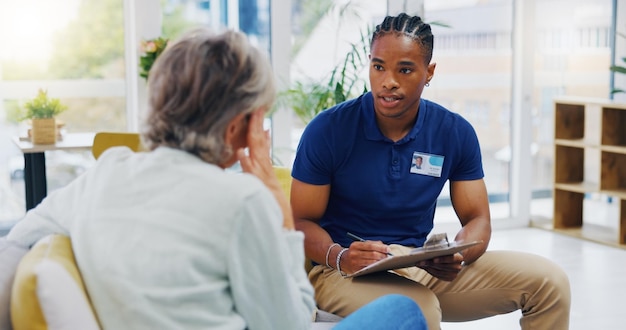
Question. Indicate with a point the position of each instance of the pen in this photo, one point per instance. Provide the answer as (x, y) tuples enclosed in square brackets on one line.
[(357, 238)]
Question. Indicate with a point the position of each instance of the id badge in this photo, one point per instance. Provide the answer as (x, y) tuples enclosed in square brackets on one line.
[(427, 164)]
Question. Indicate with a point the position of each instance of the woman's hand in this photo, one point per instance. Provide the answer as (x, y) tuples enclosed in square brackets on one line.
[(259, 163)]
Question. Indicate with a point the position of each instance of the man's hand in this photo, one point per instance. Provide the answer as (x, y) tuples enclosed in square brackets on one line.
[(362, 254), (445, 268)]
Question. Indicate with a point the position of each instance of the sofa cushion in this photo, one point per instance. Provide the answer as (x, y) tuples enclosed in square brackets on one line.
[(48, 291), (323, 316), (10, 256)]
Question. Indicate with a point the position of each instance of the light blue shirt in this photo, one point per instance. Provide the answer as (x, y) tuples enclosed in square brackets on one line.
[(164, 240)]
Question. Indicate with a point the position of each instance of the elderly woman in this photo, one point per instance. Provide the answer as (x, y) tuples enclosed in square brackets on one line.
[(166, 239)]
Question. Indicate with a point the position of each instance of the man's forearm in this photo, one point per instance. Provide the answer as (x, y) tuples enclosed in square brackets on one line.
[(475, 230)]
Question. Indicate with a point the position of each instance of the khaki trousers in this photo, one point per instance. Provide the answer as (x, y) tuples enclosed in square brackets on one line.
[(499, 282)]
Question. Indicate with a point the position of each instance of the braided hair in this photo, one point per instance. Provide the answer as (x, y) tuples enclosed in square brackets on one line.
[(410, 26)]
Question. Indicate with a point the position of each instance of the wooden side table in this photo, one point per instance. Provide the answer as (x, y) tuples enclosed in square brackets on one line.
[(35, 162)]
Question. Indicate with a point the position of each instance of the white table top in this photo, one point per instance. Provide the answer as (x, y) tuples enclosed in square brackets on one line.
[(70, 141)]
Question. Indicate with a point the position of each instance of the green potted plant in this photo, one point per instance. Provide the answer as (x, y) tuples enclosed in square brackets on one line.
[(150, 50), (307, 99), (42, 111)]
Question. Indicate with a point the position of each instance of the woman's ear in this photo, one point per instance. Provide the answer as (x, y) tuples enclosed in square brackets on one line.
[(237, 128)]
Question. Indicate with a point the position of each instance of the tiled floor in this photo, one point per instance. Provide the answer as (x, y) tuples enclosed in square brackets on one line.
[(597, 276)]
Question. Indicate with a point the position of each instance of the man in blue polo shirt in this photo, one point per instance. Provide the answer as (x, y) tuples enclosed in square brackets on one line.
[(353, 173)]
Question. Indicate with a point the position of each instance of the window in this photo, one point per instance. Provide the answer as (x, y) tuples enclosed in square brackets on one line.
[(473, 53), (76, 50), (572, 58)]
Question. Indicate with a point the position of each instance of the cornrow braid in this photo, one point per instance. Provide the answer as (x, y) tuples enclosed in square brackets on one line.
[(410, 26)]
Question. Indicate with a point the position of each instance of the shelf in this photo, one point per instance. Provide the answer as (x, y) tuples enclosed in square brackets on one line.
[(618, 193), (589, 187), (613, 126), (593, 233), (613, 175), (582, 187), (569, 121), (578, 100), (569, 164), (578, 143), (614, 149), (590, 232), (568, 209), (589, 157)]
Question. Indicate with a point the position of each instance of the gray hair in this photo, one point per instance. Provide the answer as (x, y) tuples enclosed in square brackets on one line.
[(198, 85)]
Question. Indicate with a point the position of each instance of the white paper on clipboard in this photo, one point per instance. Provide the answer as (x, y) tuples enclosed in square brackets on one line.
[(416, 255)]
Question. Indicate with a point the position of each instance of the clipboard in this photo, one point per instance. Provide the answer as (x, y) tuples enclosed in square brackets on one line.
[(436, 246)]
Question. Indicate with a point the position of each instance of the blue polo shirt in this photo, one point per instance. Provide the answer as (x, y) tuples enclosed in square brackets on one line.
[(377, 191)]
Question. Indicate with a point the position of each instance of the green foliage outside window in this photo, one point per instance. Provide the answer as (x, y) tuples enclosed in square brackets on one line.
[(306, 16), (92, 45)]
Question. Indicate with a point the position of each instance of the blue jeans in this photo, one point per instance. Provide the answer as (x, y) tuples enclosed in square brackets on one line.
[(389, 312)]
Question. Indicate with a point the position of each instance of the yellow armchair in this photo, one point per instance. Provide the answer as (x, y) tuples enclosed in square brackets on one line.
[(105, 140)]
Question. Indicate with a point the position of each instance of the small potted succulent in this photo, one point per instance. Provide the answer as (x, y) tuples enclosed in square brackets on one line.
[(42, 111)]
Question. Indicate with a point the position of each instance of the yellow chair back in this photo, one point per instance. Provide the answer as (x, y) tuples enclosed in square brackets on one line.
[(105, 140), (284, 177)]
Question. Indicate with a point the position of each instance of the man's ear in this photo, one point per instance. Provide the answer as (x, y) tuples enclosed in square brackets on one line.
[(431, 70)]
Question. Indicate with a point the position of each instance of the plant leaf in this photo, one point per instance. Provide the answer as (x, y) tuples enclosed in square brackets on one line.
[(617, 91), (619, 69), (42, 106)]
